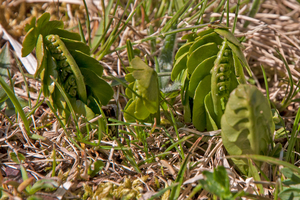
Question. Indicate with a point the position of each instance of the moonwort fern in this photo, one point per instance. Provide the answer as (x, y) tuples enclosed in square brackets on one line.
[(209, 67), (247, 125), (142, 91), (63, 57)]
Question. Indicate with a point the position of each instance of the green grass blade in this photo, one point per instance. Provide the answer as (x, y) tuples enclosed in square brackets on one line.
[(67, 101), (287, 100), (87, 22), (81, 32), (176, 17), (266, 83), (16, 103), (253, 10), (292, 140), (268, 160)]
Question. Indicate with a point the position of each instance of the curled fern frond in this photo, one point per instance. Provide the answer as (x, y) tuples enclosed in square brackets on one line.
[(61, 55), (206, 65)]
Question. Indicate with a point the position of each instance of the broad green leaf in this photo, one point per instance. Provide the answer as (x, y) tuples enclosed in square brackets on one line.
[(129, 110), (209, 38), (200, 54), (199, 111), (5, 62), (141, 72), (229, 36), (50, 27), (50, 70), (179, 65), (42, 20), (86, 62), (146, 86), (129, 77), (41, 56), (205, 32), (210, 114), (82, 109), (30, 25), (146, 79), (189, 37), (100, 88), (75, 45), (29, 42), (128, 92), (201, 71), (290, 194), (65, 34), (247, 123), (183, 49), (238, 52), (141, 111), (288, 173)]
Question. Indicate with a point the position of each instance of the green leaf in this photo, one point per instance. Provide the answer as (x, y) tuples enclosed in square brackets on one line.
[(50, 27), (199, 116), (290, 194), (43, 20), (238, 52), (86, 62), (82, 109), (50, 70), (183, 49), (141, 111), (100, 88), (129, 110), (200, 54), (229, 36), (209, 38), (43, 184), (5, 62), (146, 79), (40, 56), (200, 72), (210, 115), (98, 165), (205, 32), (179, 65), (75, 45), (65, 34), (14, 100), (146, 100), (30, 25), (189, 37), (291, 175), (29, 42), (247, 123)]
